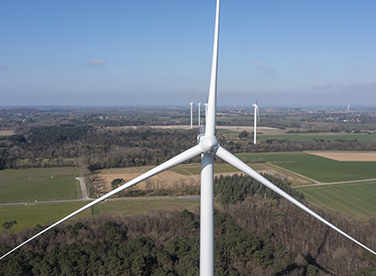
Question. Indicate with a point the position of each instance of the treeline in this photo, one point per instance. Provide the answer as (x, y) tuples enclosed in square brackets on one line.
[(258, 236), (100, 148), (276, 145), (233, 189), (68, 145)]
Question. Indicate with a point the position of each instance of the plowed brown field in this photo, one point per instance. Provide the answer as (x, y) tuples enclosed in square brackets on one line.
[(347, 156)]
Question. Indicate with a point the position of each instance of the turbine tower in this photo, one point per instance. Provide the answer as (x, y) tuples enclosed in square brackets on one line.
[(255, 122), (191, 103), (199, 106), (206, 148)]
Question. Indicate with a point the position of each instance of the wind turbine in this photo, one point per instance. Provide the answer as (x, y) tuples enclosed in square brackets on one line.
[(207, 147), (257, 114), (191, 103), (199, 106)]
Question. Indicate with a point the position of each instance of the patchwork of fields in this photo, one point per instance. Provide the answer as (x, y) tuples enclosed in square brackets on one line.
[(357, 199), (363, 137), (316, 167)]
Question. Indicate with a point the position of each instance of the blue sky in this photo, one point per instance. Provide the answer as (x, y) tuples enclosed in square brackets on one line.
[(159, 52)]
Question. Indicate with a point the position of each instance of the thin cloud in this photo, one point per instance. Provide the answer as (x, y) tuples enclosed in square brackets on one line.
[(324, 86), (95, 62), (265, 67), (3, 67), (363, 57), (346, 85)]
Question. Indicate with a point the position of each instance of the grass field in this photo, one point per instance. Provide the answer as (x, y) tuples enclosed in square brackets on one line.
[(27, 185), (364, 137), (28, 216), (143, 206), (316, 167), (195, 169), (354, 199)]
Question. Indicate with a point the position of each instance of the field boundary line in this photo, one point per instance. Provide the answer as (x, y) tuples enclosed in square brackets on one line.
[(190, 173), (294, 173), (356, 198), (329, 200), (183, 198), (335, 183)]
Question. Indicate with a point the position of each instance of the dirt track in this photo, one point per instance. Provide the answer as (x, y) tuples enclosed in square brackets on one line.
[(6, 132)]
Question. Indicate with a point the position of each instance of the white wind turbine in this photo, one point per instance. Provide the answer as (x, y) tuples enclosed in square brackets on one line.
[(199, 106), (207, 147), (191, 103), (256, 116)]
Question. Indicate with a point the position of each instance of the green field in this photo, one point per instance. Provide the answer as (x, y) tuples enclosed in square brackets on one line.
[(143, 206), (354, 199), (223, 131), (28, 216), (363, 137), (27, 185), (316, 167), (195, 169)]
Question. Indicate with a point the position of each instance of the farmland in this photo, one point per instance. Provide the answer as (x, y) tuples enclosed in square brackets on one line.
[(143, 206), (132, 140), (316, 167), (355, 199), (363, 137), (26, 185), (28, 216)]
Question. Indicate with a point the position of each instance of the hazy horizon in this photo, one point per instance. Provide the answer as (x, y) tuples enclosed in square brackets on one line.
[(95, 53)]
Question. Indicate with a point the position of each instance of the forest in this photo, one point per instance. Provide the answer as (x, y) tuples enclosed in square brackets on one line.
[(256, 233)]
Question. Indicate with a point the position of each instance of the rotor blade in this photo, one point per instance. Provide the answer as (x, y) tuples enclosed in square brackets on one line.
[(258, 114), (212, 101), (231, 159), (188, 154)]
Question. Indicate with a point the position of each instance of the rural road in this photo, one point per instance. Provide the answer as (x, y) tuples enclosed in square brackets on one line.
[(183, 198), (334, 183), (83, 188)]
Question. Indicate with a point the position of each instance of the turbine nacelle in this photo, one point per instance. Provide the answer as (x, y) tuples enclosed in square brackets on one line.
[(209, 144)]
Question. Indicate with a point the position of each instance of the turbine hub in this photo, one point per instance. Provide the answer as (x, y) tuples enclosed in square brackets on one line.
[(209, 144)]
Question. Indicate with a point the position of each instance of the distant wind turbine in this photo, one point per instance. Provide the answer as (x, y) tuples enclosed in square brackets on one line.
[(257, 114), (207, 146), (191, 103), (199, 105)]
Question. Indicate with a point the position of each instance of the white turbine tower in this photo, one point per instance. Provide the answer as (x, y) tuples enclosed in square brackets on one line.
[(206, 148), (255, 122), (199, 106), (191, 103)]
